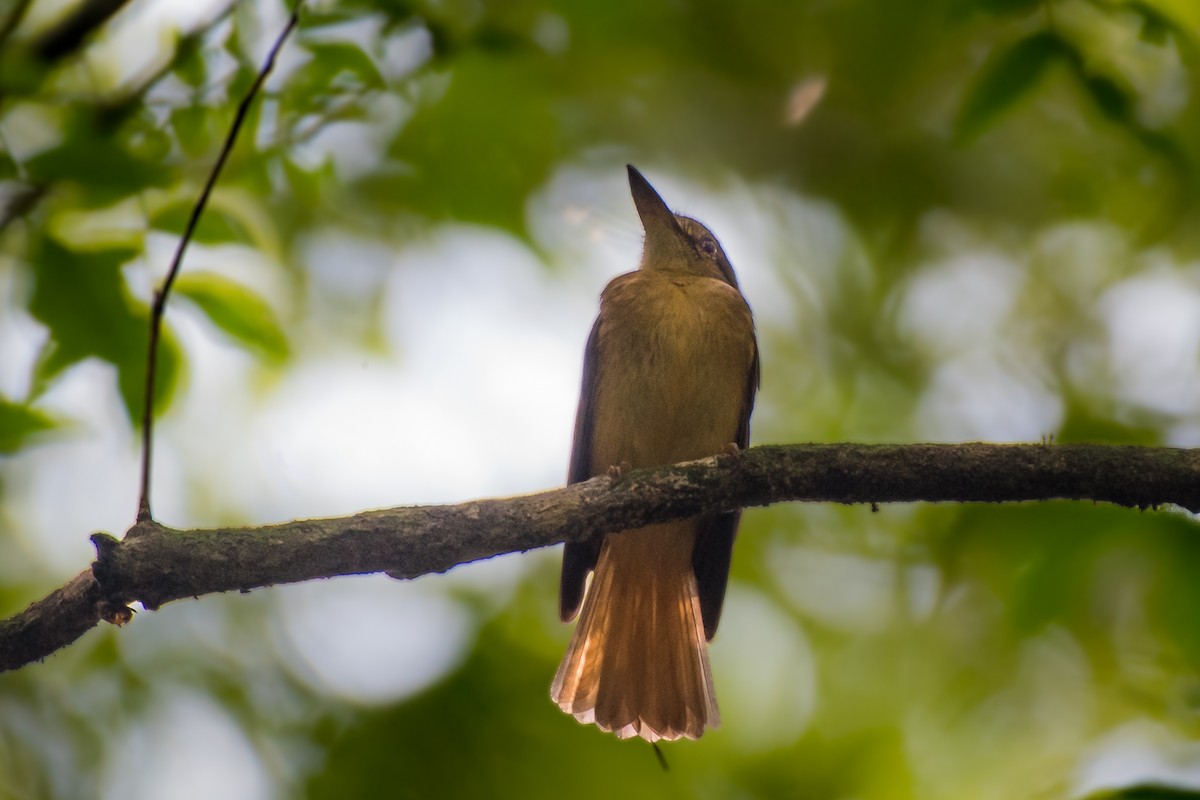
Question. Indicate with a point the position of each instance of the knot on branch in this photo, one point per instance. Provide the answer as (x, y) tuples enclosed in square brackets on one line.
[(112, 604)]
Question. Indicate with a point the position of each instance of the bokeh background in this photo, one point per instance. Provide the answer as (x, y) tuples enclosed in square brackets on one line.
[(954, 219)]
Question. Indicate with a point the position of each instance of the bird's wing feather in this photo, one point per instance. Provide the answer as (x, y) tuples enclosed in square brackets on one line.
[(579, 558), (714, 541)]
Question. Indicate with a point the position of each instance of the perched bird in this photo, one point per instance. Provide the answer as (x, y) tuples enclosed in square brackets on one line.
[(669, 374)]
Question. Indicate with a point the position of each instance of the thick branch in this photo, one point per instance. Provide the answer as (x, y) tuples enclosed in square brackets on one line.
[(155, 564), (51, 623)]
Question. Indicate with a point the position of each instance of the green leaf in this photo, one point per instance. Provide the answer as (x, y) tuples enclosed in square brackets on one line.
[(308, 186), (480, 135), (1157, 26), (238, 311), (149, 141), (1117, 102), (1154, 30), (8, 167), (318, 18), (189, 61), (1009, 6), (17, 423), (99, 164), (1110, 98), (1083, 424), (82, 299), (1005, 78), (332, 82), (215, 226), (192, 129), (21, 73), (334, 59)]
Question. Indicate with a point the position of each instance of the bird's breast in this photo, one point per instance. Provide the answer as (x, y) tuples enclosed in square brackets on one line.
[(673, 363)]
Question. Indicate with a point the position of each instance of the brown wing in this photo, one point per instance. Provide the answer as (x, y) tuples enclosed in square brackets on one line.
[(714, 541), (579, 558)]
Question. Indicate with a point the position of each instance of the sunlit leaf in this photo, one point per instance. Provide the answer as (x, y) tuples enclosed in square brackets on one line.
[(231, 216), (82, 298), (238, 311), (1005, 79), (215, 226), (334, 59), (18, 422)]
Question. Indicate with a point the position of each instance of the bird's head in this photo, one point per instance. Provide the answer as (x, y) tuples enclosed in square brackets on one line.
[(675, 243)]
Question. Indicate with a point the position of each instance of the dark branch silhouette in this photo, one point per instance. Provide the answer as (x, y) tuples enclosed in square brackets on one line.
[(155, 564), (160, 296), (67, 36)]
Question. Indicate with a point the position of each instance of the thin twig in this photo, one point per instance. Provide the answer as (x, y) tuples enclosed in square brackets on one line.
[(160, 296)]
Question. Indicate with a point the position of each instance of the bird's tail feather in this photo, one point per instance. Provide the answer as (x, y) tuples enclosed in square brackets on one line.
[(637, 664)]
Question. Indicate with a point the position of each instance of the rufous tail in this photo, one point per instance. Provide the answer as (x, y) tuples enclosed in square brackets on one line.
[(637, 664)]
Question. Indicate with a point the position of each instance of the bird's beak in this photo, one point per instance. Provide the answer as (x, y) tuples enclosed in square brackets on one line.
[(663, 232), (650, 207)]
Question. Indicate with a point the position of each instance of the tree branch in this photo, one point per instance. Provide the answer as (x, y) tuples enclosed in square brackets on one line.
[(155, 564)]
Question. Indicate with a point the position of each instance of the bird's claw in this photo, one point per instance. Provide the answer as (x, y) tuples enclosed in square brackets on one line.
[(617, 470)]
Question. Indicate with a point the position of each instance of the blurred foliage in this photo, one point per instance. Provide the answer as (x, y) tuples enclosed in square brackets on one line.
[(1033, 158), (19, 422), (1149, 792), (237, 311)]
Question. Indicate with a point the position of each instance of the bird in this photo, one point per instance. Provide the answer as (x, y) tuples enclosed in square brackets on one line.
[(670, 373)]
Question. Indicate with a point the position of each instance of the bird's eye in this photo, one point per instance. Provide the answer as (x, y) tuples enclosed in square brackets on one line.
[(707, 245)]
